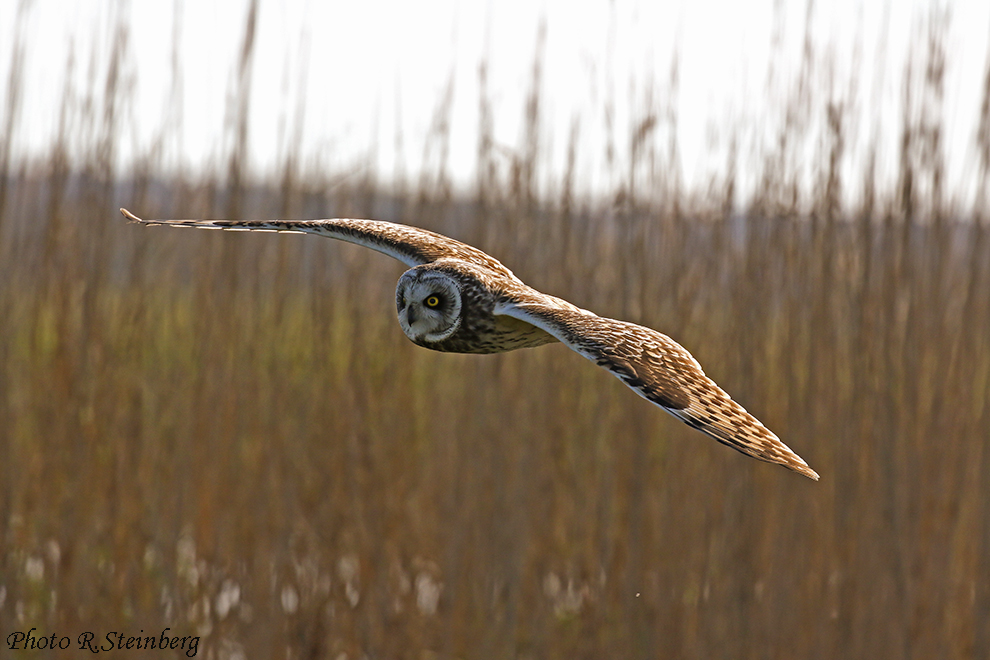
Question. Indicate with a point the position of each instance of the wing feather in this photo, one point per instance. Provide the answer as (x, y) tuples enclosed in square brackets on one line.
[(410, 245), (662, 371)]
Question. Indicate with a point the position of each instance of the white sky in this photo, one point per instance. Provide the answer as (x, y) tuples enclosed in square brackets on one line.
[(372, 69)]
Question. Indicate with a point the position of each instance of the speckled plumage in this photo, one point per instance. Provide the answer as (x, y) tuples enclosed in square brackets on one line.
[(481, 307)]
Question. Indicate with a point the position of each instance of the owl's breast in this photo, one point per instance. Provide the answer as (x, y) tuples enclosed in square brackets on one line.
[(481, 331)]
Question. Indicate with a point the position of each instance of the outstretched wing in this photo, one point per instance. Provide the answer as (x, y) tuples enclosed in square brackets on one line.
[(659, 370), (410, 245)]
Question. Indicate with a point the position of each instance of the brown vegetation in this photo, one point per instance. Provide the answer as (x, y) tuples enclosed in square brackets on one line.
[(230, 436)]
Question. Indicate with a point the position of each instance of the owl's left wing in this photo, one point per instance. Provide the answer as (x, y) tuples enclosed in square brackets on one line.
[(660, 370), (410, 245)]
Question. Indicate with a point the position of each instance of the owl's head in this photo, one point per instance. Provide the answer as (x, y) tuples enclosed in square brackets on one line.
[(429, 305)]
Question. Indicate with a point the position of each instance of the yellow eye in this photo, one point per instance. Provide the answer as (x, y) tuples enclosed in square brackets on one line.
[(432, 301)]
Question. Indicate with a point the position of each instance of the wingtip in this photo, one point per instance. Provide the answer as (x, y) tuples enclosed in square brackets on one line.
[(803, 469)]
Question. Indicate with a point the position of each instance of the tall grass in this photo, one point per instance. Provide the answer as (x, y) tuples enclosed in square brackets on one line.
[(229, 435)]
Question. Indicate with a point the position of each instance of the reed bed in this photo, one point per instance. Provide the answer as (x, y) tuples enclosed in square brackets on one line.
[(229, 436)]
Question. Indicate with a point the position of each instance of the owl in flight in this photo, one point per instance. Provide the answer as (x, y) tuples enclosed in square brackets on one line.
[(457, 299)]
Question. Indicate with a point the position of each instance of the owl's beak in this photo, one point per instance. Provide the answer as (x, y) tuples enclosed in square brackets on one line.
[(410, 315)]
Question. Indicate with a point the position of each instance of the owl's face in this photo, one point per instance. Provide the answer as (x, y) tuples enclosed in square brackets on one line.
[(429, 305)]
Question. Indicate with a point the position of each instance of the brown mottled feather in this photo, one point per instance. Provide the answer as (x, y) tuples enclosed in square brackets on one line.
[(662, 371), (410, 245)]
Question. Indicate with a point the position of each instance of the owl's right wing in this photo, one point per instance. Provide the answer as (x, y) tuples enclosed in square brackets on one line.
[(658, 369), (410, 245)]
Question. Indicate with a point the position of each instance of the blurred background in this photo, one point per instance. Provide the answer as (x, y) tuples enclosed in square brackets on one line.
[(229, 435)]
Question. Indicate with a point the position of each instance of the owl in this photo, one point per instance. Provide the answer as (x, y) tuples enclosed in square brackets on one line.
[(458, 299)]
